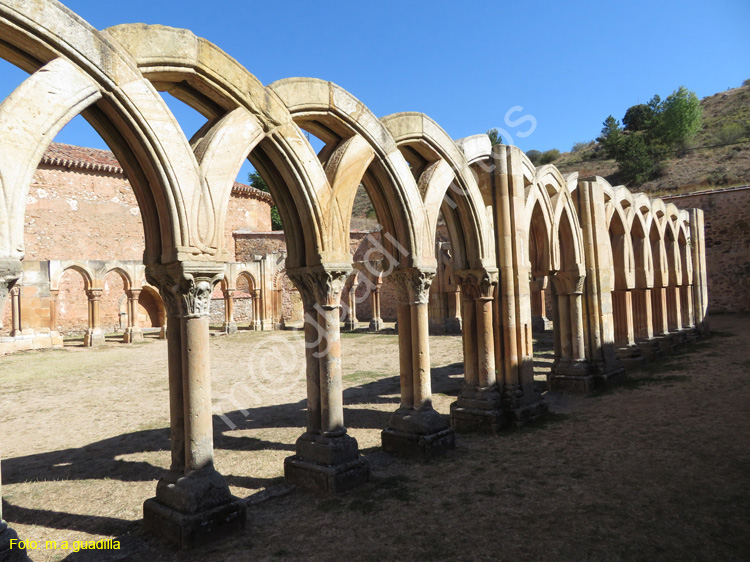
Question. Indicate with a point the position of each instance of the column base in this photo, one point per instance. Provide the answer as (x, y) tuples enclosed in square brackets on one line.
[(521, 409), (571, 376), (163, 333), (131, 335), (230, 327), (630, 356), (478, 409), (351, 325), (666, 343), (576, 377), (650, 349), (93, 339), (188, 530), (418, 434), (326, 464), (8, 554), (376, 324)]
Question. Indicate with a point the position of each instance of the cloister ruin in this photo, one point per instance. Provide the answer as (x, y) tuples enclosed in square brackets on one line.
[(625, 273)]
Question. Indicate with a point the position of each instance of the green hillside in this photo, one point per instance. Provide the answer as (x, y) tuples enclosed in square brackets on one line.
[(718, 156)]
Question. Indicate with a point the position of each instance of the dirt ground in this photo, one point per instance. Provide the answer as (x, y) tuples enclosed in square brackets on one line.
[(658, 469)]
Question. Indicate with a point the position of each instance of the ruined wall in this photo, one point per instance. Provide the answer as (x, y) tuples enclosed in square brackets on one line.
[(727, 222), (78, 214)]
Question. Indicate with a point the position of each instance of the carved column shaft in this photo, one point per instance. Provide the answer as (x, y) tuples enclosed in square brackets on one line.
[(414, 292), (53, 304), (321, 290), (471, 357), (15, 295)]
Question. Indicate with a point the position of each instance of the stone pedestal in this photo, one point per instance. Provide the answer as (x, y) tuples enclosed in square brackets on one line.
[(414, 434), (326, 464), (630, 356), (229, 327), (478, 409), (521, 408), (650, 348), (376, 325), (571, 376)]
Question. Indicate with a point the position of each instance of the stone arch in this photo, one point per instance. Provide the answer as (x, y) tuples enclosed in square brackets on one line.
[(337, 117), (151, 305), (127, 279), (445, 182), (83, 269), (60, 49), (245, 120)]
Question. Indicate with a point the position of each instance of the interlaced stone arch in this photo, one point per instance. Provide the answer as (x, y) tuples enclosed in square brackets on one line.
[(245, 119), (346, 125)]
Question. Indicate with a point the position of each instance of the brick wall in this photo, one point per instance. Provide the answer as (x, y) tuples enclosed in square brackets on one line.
[(727, 222)]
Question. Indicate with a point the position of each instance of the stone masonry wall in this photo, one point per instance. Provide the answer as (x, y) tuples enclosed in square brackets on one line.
[(727, 222), (80, 214)]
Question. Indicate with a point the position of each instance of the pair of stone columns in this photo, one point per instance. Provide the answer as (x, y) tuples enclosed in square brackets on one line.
[(479, 405), (193, 502), (133, 331), (352, 323), (230, 326), (326, 459), (415, 428), (376, 323)]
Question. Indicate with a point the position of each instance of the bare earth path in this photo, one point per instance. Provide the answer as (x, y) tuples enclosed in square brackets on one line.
[(656, 470)]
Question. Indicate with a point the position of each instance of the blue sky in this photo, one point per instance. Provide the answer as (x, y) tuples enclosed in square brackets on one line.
[(465, 64)]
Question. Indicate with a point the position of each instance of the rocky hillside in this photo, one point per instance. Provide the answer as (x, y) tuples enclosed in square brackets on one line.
[(719, 156)]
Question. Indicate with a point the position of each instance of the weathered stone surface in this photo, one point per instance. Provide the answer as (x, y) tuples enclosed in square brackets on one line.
[(189, 530)]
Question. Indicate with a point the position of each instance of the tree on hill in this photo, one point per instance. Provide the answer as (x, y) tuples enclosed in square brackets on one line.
[(258, 182), (611, 137), (495, 137), (679, 118), (651, 130)]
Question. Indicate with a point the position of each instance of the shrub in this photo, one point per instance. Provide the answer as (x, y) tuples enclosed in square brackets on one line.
[(534, 156), (549, 156), (577, 147), (730, 132)]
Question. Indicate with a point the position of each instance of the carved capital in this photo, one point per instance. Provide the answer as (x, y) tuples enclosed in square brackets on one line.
[(320, 284), (10, 273), (568, 282), (94, 294), (478, 283), (186, 287), (413, 285)]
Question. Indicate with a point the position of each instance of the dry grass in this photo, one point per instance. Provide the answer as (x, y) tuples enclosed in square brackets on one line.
[(655, 470)]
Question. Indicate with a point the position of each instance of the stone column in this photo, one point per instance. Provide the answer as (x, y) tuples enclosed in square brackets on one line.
[(326, 459), (514, 356), (53, 303), (193, 503), (10, 272), (15, 302), (415, 429), (256, 325), (229, 327), (539, 320), (479, 405), (376, 324), (598, 323), (624, 304), (351, 314), (688, 319), (94, 335), (699, 280), (133, 331), (571, 371), (644, 324)]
